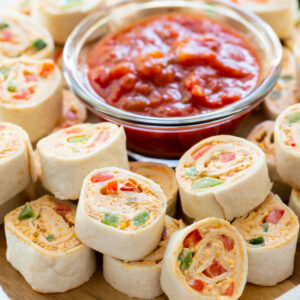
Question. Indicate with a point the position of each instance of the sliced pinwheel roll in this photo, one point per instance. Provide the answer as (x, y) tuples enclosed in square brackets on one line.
[(206, 260), (271, 233), (30, 95), (17, 166), (287, 145), (294, 204), (281, 15), (162, 175), (284, 92), (263, 136), (222, 176), (43, 247), (22, 37), (73, 111), (140, 279), (120, 213), (61, 16), (68, 155)]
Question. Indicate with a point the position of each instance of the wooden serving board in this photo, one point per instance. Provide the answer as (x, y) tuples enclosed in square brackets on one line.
[(97, 288)]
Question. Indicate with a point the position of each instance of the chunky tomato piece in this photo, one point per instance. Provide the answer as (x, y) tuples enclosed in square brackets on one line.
[(2, 127), (227, 242), (102, 176), (100, 75), (128, 187), (192, 239), (112, 187), (62, 209), (227, 157), (121, 69), (230, 289), (275, 216), (197, 285), (215, 269), (201, 151)]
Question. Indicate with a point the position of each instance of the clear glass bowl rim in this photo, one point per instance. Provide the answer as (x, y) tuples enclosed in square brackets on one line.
[(78, 38)]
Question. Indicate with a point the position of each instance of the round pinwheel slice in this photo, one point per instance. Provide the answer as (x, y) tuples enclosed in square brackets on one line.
[(74, 112), (284, 92), (222, 176), (206, 260), (140, 279), (263, 136), (280, 15), (162, 175), (294, 204), (22, 37), (30, 95), (287, 146), (43, 247), (271, 233), (17, 166), (61, 16), (68, 155), (120, 213)]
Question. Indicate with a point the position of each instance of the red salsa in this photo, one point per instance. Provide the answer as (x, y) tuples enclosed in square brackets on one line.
[(173, 65)]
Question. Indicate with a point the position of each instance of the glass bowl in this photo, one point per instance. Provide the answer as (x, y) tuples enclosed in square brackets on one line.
[(169, 138)]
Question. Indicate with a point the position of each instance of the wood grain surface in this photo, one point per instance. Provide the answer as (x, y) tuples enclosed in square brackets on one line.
[(97, 288)]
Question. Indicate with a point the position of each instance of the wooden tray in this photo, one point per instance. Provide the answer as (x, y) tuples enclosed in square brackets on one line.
[(97, 288)]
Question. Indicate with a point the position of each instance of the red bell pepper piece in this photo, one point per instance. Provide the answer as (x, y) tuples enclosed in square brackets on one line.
[(227, 157), (112, 187), (46, 69), (201, 151), (192, 239), (275, 216), (227, 242), (230, 289), (128, 187), (24, 95), (102, 176), (6, 35), (102, 136), (31, 77), (197, 285), (215, 269), (62, 209)]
